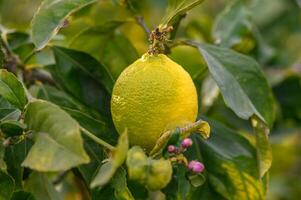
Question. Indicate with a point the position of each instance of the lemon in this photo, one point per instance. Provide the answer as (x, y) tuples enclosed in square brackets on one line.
[(150, 96)]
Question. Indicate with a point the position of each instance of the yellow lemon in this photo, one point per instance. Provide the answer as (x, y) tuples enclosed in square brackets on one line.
[(152, 95)]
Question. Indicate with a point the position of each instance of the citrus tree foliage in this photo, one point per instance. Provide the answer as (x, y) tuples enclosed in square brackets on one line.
[(56, 79)]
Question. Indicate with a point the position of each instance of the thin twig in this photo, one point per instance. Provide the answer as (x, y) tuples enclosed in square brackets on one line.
[(96, 139), (140, 21)]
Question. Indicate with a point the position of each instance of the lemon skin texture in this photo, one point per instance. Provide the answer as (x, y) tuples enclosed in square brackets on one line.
[(150, 96)]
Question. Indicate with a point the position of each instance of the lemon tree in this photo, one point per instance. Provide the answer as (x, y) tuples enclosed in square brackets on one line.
[(129, 99)]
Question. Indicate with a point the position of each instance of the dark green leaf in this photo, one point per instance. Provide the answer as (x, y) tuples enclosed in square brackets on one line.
[(50, 18), (3, 166), (55, 129), (232, 24), (14, 156), (86, 63), (39, 185), (241, 81), (22, 195), (231, 164), (7, 185), (11, 89), (110, 48), (176, 8), (7, 111), (120, 185), (77, 80), (12, 128), (2, 56)]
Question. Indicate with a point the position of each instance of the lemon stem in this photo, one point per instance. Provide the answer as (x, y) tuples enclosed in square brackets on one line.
[(96, 139), (200, 126)]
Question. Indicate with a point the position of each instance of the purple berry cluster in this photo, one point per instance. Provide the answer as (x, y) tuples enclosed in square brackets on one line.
[(194, 165)]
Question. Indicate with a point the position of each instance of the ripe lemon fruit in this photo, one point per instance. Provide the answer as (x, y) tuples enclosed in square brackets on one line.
[(150, 96)]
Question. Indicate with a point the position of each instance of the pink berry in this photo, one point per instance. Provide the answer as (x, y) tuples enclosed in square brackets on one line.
[(187, 142), (196, 166), (171, 149)]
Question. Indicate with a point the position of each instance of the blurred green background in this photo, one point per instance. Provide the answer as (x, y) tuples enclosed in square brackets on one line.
[(275, 43)]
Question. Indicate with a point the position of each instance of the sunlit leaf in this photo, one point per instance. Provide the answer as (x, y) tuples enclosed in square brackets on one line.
[(57, 131), (12, 89), (232, 24), (107, 170), (50, 18), (231, 163), (176, 8), (263, 147)]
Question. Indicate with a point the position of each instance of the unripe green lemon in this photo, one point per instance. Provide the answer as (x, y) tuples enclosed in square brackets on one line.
[(137, 164), (159, 175), (152, 95)]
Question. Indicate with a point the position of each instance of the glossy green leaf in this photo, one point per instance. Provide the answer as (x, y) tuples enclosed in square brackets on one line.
[(87, 64), (232, 24), (40, 187), (108, 47), (241, 82), (176, 8), (14, 156), (50, 18), (107, 170), (7, 185), (55, 129), (12, 128), (22, 195), (231, 164), (196, 180), (12, 89)]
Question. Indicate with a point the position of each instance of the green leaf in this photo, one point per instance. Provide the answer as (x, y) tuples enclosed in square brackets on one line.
[(232, 24), (12, 128), (176, 8), (39, 185), (12, 89), (7, 185), (196, 180), (50, 18), (2, 57), (60, 133), (241, 81), (107, 170), (231, 165), (22, 195), (3, 166), (108, 47), (78, 81), (86, 63), (8, 111), (14, 156), (120, 185), (263, 147)]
